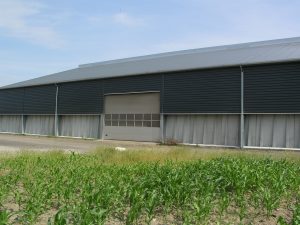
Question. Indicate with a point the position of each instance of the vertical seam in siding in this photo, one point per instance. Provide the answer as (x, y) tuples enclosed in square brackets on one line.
[(162, 93)]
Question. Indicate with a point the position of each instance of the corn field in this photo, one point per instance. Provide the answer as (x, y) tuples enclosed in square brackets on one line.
[(59, 188)]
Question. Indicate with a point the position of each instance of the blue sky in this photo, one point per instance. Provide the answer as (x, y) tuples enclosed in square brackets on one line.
[(40, 37)]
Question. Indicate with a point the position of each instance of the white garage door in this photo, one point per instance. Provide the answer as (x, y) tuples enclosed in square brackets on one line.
[(132, 117)]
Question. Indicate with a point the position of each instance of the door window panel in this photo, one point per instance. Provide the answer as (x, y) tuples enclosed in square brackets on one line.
[(133, 120)]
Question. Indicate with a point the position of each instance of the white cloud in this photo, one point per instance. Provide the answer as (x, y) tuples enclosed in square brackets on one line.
[(121, 18), (126, 19), (18, 20)]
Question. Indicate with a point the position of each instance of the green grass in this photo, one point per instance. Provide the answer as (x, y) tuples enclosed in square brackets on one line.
[(172, 186)]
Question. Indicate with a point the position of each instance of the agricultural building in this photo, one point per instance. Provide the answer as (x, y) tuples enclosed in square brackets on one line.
[(236, 95)]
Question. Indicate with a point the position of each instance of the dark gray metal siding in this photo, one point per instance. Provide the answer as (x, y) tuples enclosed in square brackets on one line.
[(133, 84), (273, 88), (84, 97), (11, 101), (203, 91), (40, 100)]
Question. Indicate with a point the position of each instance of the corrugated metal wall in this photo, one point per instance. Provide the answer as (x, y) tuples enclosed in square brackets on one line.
[(272, 88), (11, 101), (133, 84), (205, 91), (269, 88), (33, 100), (80, 97), (40, 100)]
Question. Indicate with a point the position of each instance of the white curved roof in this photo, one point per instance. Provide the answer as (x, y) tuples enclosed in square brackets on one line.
[(282, 50)]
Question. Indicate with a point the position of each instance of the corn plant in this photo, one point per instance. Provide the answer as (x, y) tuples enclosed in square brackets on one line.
[(58, 188)]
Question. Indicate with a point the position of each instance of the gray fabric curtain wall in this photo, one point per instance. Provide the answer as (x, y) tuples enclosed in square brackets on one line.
[(281, 131), (40, 125), (79, 126), (204, 129), (11, 124)]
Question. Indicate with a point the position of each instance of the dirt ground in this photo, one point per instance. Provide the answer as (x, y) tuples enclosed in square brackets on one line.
[(11, 143), (15, 143)]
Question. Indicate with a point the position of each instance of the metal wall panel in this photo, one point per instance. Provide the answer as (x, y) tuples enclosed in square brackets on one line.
[(203, 91), (40, 100), (84, 97), (11, 101), (133, 84), (272, 88)]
